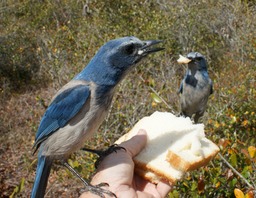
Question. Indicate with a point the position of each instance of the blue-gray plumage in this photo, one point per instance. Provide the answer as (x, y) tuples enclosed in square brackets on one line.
[(79, 107), (196, 86)]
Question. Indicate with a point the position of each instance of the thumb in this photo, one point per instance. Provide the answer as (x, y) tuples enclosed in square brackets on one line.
[(134, 145)]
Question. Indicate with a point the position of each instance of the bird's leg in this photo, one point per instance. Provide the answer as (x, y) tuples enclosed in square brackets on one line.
[(197, 116), (88, 187), (103, 153), (111, 149), (181, 114)]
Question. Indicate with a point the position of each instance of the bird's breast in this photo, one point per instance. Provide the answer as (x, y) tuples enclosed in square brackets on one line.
[(79, 129)]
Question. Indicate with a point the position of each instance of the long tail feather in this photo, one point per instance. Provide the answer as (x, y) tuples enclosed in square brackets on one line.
[(42, 174)]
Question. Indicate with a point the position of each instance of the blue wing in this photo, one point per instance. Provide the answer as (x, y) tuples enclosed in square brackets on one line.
[(64, 107)]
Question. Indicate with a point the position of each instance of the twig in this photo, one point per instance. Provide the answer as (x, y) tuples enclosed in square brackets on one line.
[(235, 171), (152, 89)]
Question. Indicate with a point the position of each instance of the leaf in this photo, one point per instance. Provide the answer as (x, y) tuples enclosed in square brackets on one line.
[(246, 172), (22, 184), (233, 182), (245, 123), (252, 151), (224, 142), (217, 185), (75, 164), (229, 174), (185, 184), (151, 82), (233, 119), (233, 159), (193, 186), (238, 193), (174, 194), (70, 162), (15, 191), (250, 194), (245, 152), (33, 162), (18, 189), (156, 98), (200, 185), (153, 104)]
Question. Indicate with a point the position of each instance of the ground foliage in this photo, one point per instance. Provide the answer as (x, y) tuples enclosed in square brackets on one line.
[(44, 43)]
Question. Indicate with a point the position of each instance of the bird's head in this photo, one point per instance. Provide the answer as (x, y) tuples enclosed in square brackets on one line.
[(195, 61), (124, 52), (115, 58)]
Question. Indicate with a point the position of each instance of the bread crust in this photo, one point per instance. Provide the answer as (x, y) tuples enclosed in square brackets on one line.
[(147, 175), (183, 165), (152, 174)]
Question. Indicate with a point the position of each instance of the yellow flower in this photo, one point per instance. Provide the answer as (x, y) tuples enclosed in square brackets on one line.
[(245, 122), (153, 104), (217, 125)]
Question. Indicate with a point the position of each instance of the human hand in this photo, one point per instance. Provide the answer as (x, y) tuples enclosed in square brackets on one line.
[(117, 169)]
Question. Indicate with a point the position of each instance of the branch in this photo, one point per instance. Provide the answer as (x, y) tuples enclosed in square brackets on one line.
[(152, 89), (235, 171)]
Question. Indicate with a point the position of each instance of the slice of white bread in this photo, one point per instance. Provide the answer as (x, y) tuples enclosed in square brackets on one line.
[(175, 145)]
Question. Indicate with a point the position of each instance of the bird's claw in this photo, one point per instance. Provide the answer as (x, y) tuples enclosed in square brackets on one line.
[(99, 191), (102, 185), (113, 148), (104, 153), (108, 151)]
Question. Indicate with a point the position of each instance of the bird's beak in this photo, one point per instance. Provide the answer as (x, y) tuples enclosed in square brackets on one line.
[(183, 59), (147, 49)]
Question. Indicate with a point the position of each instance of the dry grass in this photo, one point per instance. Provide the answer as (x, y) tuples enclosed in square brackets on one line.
[(44, 44)]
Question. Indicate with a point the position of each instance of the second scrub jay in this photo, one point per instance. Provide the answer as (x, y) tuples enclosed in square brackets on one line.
[(78, 108), (196, 86)]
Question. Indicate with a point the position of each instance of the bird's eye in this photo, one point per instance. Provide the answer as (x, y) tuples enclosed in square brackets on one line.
[(130, 49)]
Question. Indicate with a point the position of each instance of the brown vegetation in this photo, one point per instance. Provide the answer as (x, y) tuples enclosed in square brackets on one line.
[(43, 44)]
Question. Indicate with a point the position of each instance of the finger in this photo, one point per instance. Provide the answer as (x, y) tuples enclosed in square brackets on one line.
[(164, 188), (158, 191), (88, 194), (144, 195), (134, 145)]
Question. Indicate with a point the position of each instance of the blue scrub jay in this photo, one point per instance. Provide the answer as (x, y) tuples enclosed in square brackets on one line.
[(79, 107), (196, 86)]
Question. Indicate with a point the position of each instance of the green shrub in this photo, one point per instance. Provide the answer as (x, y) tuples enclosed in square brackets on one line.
[(45, 43)]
